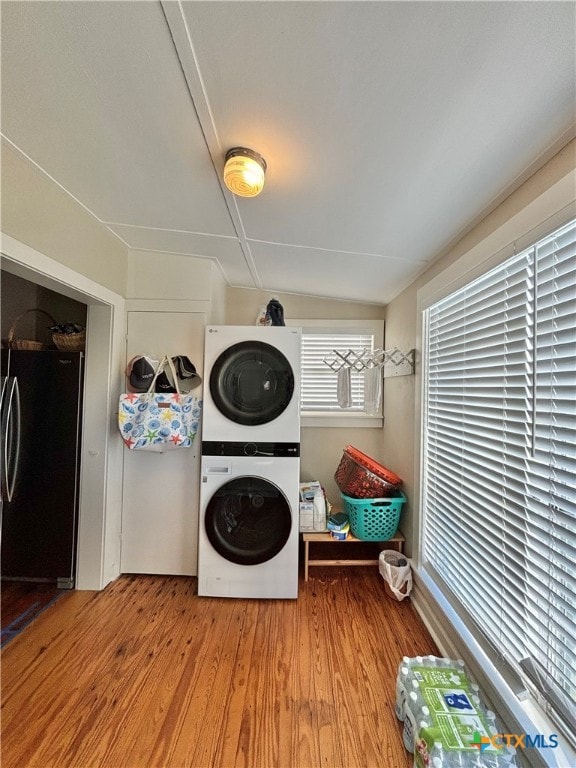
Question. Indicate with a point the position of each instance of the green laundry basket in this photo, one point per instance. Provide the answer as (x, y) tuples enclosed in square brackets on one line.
[(374, 519)]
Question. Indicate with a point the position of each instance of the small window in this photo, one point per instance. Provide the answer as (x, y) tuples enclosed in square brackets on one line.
[(319, 383)]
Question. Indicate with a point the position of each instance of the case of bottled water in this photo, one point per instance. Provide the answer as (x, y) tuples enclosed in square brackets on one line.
[(446, 724)]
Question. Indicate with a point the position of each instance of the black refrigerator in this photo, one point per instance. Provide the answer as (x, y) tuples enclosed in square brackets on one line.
[(41, 412)]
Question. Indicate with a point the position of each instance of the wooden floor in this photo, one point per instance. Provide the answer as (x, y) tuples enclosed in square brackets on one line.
[(146, 674), (21, 602)]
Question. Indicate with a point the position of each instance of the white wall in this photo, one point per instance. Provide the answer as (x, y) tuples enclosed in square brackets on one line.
[(39, 213), (243, 305), (400, 438), (171, 297), (218, 299), (171, 276)]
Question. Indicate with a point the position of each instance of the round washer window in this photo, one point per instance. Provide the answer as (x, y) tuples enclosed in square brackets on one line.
[(248, 520), (251, 383)]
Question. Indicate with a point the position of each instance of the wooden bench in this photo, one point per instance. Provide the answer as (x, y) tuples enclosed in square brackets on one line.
[(396, 542)]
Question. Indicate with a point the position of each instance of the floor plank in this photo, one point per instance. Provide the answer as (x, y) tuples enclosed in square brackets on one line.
[(146, 674), (21, 602)]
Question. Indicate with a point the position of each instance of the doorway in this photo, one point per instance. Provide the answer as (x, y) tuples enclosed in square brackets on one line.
[(39, 521), (99, 526)]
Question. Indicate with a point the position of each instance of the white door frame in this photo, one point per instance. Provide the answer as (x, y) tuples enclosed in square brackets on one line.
[(100, 515)]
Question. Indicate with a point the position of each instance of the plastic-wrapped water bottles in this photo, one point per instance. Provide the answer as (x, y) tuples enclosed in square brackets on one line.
[(409, 731), (441, 758), (448, 760), (401, 692), (415, 688), (417, 715), (420, 745), (457, 759), (445, 686), (507, 754)]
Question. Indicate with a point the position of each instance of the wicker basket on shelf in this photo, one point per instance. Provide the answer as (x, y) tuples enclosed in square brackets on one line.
[(70, 342), (28, 344)]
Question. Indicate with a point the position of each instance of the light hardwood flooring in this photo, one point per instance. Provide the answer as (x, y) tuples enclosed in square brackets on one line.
[(145, 674)]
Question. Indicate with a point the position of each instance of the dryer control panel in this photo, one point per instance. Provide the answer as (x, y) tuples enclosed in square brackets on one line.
[(239, 448)]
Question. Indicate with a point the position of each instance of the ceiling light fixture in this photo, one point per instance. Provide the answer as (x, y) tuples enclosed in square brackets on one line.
[(244, 172)]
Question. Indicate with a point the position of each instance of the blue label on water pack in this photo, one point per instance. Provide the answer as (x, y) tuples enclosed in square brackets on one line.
[(458, 701)]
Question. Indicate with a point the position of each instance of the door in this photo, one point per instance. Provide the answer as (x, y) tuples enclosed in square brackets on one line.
[(251, 383), (40, 504), (248, 520), (10, 419), (161, 490)]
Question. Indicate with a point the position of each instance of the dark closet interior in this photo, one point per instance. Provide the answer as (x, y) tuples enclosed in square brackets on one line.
[(23, 598)]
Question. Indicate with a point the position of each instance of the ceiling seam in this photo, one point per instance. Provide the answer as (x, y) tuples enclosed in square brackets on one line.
[(333, 250), (63, 188), (177, 26), (166, 229)]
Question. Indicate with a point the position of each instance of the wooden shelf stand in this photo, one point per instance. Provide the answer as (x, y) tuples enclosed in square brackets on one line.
[(396, 542)]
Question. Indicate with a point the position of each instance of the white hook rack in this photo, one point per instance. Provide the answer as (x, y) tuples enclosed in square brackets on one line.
[(392, 362)]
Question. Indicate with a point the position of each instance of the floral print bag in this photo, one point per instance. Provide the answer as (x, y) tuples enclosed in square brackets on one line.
[(156, 421)]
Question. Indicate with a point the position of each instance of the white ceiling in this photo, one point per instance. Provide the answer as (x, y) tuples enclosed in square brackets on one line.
[(388, 127)]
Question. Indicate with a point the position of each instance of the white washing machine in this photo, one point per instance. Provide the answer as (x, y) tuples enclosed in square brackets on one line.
[(252, 384), (248, 537)]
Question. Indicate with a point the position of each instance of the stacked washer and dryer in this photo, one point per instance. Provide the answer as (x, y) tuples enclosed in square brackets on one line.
[(250, 468)]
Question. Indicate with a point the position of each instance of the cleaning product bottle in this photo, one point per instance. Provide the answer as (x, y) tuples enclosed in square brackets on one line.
[(319, 510)]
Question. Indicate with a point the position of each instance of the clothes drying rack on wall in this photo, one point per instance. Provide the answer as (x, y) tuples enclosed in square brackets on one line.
[(392, 362)]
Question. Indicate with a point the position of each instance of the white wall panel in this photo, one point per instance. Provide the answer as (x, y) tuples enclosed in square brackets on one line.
[(161, 490)]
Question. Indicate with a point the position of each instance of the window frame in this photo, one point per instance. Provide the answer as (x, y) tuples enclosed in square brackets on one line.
[(508, 695), (493, 379), (344, 418)]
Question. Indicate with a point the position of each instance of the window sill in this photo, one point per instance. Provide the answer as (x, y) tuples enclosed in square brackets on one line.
[(519, 710)]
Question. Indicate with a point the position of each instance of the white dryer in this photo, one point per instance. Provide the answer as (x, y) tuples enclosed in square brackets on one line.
[(251, 384), (248, 536)]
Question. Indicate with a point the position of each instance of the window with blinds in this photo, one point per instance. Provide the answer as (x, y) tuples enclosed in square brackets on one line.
[(318, 381), (499, 492)]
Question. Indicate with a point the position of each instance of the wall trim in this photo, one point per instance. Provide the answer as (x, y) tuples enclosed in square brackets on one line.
[(101, 458)]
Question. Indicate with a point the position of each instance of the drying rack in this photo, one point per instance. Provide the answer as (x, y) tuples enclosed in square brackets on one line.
[(392, 362)]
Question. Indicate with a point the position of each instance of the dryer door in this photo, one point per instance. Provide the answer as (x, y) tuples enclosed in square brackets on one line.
[(251, 383), (248, 520)]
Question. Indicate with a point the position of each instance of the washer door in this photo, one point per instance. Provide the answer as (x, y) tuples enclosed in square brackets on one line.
[(248, 520), (251, 383)]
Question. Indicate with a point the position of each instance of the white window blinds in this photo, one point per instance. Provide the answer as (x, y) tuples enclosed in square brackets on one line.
[(318, 381), (500, 460)]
